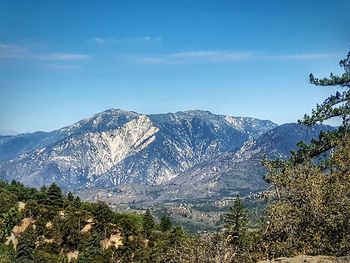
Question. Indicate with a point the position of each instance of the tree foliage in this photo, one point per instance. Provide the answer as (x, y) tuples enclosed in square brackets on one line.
[(26, 246), (148, 223), (236, 223), (165, 223), (310, 212), (54, 196)]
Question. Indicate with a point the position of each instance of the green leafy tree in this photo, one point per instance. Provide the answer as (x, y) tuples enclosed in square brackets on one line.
[(77, 202), (41, 196)]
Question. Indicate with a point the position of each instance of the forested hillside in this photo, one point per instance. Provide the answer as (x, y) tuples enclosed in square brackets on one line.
[(47, 226)]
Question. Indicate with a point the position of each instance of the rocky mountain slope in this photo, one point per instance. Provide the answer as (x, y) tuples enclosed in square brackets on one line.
[(229, 174), (174, 155), (241, 171), (116, 147)]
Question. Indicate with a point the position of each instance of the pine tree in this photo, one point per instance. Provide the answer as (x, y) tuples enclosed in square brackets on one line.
[(165, 223), (177, 237), (26, 246), (10, 219), (310, 210), (335, 106), (176, 247), (90, 248), (7, 200), (70, 197), (236, 222), (77, 202), (54, 196), (148, 223), (103, 215)]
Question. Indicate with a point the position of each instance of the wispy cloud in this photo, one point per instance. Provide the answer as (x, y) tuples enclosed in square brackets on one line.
[(13, 51), (210, 56), (63, 57), (217, 56), (302, 56), (121, 40), (62, 66), (16, 52)]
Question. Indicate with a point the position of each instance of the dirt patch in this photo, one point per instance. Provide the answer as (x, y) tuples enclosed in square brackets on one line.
[(86, 228), (18, 230), (115, 240), (73, 255), (21, 206)]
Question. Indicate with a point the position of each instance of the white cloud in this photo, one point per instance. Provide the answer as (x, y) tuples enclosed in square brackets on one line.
[(121, 40), (100, 40), (217, 56), (56, 56), (153, 60), (210, 56), (62, 66), (13, 51), (16, 52), (301, 56)]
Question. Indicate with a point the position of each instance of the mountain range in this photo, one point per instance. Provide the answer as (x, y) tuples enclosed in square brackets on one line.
[(132, 157)]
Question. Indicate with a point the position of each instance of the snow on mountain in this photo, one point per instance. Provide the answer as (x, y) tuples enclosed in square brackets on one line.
[(131, 156), (119, 147), (240, 171)]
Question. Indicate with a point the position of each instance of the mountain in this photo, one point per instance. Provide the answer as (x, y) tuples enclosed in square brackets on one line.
[(7, 132), (241, 172), (132, 156), (231, 173), (116, 147)]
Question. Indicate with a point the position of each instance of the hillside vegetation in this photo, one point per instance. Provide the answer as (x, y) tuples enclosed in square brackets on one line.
[(47, 226)]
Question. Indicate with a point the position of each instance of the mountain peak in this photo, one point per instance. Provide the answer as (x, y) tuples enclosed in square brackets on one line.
[(118, 111), (102, 121), (197, 112)]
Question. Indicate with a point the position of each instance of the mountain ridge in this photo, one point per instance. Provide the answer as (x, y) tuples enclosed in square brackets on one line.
[(117, 147)]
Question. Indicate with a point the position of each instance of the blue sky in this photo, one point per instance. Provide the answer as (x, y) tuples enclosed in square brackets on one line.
[(61, 61)]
